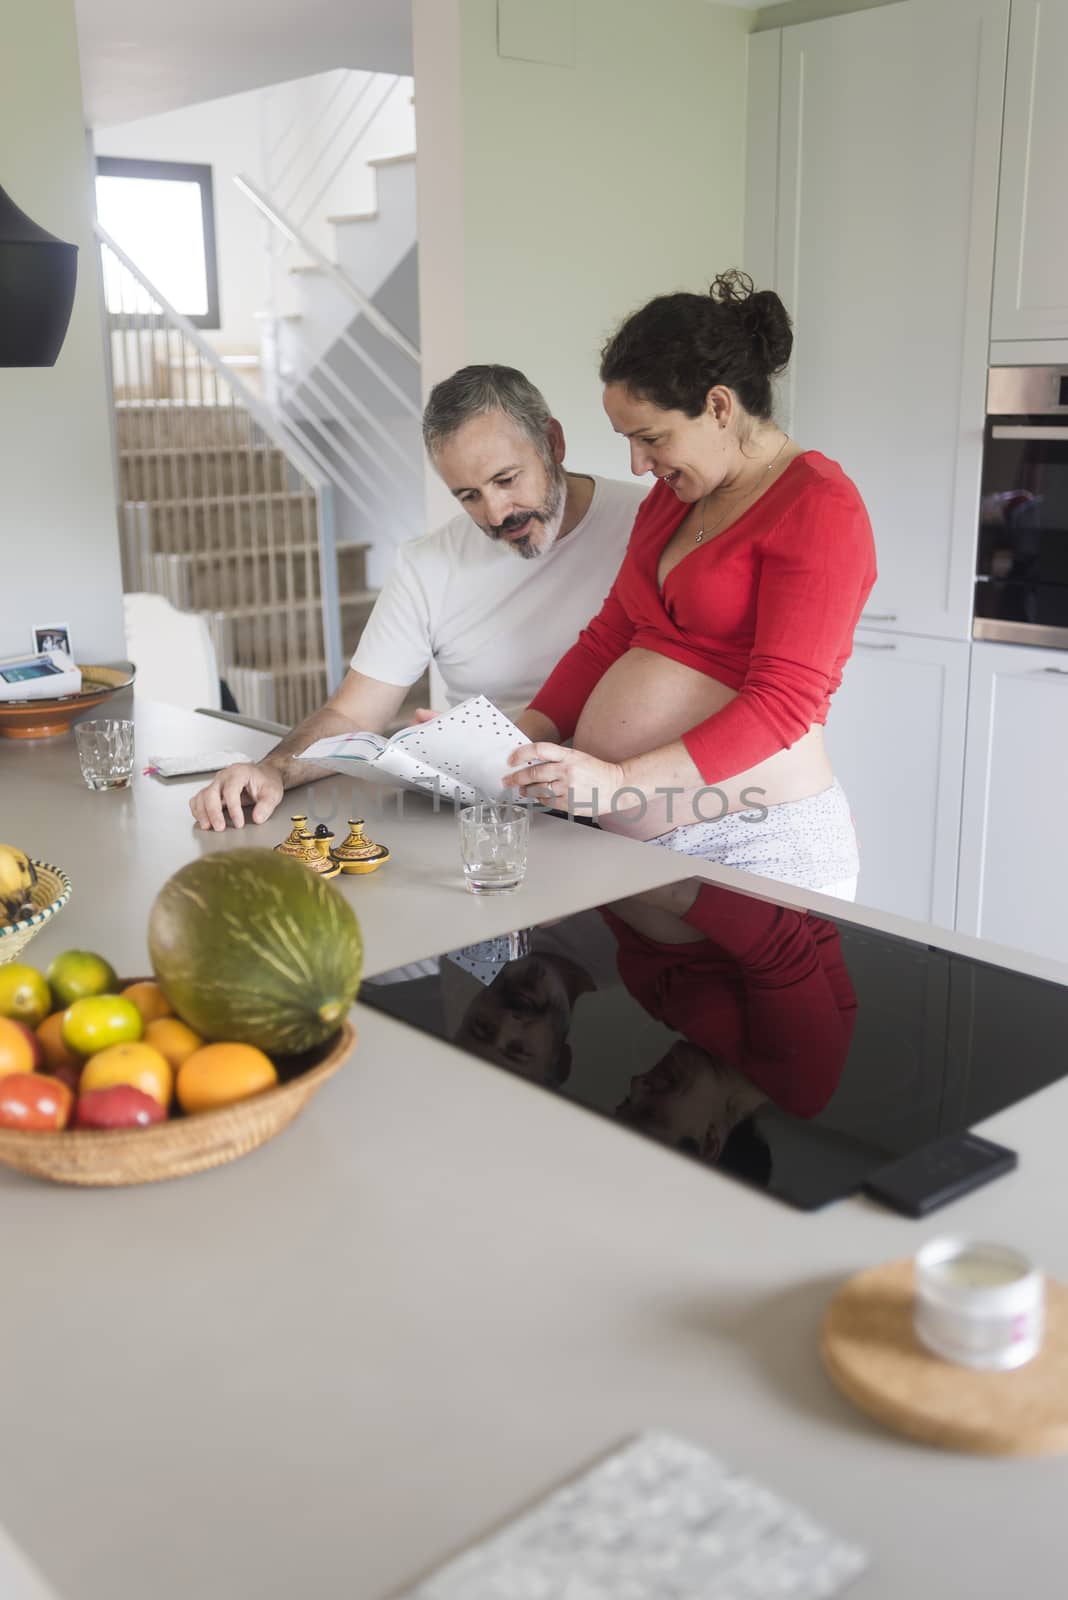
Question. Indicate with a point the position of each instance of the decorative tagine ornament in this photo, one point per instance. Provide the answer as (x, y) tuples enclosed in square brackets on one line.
[(311, 851), (359, 854), (321, 841), (293, 844)]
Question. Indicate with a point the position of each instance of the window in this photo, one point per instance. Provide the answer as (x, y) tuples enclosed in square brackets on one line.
[(162, 214)]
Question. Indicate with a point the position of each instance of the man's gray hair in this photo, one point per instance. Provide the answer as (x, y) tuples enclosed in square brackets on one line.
[(474, 391)]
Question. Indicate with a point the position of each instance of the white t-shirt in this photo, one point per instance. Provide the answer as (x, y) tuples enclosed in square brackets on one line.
[(494, 623)]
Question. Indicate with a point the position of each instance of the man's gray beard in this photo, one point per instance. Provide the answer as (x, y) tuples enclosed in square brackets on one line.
[(550, 514)]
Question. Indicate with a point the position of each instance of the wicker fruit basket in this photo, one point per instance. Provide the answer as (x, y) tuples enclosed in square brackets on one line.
[(173, 1149), (49, 895)]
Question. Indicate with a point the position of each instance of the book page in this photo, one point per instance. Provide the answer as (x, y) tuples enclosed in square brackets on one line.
[(343, 751), (367, 755), (471, 744), (403, 767)]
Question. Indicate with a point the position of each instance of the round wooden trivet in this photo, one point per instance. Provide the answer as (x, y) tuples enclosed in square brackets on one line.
[(872, 1354)]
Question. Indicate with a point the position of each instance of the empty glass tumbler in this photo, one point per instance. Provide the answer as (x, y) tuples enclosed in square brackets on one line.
[(493, 842), (106, 752)]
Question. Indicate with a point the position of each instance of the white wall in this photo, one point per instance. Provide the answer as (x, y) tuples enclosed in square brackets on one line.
[(582, 189), (59, 539), (238, 134)]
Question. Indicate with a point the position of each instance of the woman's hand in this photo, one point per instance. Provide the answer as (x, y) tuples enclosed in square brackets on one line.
[(563, 778)]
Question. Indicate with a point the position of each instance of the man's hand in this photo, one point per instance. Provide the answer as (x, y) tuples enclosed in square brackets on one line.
[(262, 784)]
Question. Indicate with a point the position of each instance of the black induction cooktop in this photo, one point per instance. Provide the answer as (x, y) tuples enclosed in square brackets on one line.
[(799, 1053)]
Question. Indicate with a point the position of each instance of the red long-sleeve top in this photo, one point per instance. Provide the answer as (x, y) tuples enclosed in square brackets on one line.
[(767, 989), (768, 608)]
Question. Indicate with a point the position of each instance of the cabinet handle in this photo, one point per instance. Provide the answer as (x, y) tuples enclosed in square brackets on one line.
[(862, 644), (1015, 430), (878, 616)]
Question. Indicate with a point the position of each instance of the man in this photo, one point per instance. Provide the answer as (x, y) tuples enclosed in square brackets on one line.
[(494, 598)]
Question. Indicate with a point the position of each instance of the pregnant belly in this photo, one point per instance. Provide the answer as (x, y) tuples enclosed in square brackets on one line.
[(646, 700)]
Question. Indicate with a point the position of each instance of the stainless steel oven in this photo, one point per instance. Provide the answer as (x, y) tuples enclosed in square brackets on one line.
[(1021, 575)]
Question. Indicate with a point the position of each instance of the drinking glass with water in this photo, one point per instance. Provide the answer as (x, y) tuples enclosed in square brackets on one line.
[(493, 842)]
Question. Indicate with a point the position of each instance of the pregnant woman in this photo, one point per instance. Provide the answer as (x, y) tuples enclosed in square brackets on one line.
[(696, 697)]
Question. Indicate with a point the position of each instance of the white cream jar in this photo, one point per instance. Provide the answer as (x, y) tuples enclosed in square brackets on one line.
[(978, 1305)]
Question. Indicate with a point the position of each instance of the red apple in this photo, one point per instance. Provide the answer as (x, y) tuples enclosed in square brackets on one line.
[(34, 1102), (120, 1106)]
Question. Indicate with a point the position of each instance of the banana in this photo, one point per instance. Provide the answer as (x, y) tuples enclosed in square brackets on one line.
[(17, 878)]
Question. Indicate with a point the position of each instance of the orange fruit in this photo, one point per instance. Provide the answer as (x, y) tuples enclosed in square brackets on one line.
[(76, 974), (173, 1038), (149, 999), (219, 1074), (92, 1024), (55, 1052), (136, 1064), (16, 1047), (24, 994)]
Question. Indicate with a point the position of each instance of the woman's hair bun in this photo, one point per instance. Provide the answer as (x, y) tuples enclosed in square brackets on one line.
[(761, 313)]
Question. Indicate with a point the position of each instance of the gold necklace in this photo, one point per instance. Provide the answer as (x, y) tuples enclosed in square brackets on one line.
[(702, 531)]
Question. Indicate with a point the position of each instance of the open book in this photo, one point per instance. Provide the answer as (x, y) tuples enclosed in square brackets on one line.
[(461, 756)]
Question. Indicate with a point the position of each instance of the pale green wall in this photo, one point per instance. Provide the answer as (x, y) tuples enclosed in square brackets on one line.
[(589, 188), (58, 523)]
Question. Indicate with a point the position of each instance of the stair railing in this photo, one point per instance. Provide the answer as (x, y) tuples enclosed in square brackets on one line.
[(320, 403), (223, 508)]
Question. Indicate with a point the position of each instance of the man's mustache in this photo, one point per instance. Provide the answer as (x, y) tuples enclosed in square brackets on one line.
[(516, 520)]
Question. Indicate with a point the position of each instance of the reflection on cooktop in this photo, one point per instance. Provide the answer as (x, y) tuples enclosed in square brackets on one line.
[(794, 1051)]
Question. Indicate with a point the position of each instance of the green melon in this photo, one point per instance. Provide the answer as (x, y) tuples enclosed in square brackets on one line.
[(251, 946)]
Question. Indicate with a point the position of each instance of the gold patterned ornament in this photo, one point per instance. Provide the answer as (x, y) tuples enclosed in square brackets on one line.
[(358, 853), (294, 843), (321, 841)]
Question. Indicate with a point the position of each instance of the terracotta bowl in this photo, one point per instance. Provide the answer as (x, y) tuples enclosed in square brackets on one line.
[(36, 719), (114, 1157)]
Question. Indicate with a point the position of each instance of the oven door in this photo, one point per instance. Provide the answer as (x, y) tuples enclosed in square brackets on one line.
[(1021, 587)]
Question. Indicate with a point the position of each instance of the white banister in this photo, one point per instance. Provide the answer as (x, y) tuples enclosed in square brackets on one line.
[(268, 420), (330, 269)]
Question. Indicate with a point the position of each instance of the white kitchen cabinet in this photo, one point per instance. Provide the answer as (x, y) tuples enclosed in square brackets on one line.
[(1031, 272), (896, 739), (884, 193), (1013, 885)]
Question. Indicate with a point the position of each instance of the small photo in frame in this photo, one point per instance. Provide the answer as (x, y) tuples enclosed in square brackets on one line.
[(56, 636)]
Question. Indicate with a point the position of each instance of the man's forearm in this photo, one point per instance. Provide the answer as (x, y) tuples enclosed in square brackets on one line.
[(320, 725)]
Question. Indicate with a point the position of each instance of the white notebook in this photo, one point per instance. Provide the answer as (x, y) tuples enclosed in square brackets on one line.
[(660, 1519), (462, 755)]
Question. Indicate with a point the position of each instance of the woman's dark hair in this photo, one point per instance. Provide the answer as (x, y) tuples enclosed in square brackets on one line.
[(679, 346)]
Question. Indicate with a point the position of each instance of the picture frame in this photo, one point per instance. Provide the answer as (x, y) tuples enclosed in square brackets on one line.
[(52, 636)]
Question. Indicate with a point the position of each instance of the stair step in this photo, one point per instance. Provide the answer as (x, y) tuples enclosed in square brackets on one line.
[(278, 316), (155, 424), (231, 524), (358, 597), (392, 161), (252, 580), (267, 636), (354, 216), (284, 695), (275, 635), (201, 471)]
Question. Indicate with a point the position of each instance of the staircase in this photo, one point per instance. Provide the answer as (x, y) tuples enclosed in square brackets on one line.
[(271, 499), (216, 519)]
